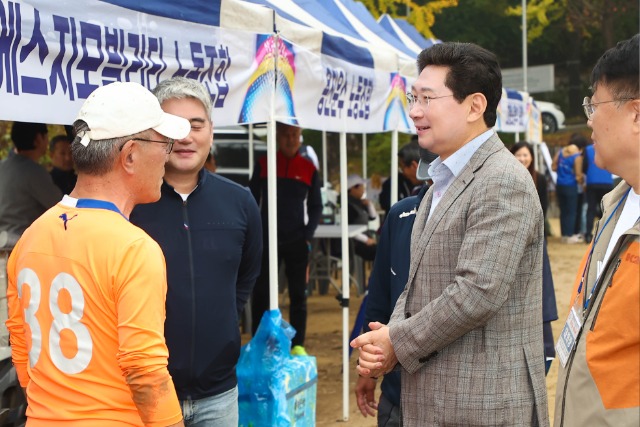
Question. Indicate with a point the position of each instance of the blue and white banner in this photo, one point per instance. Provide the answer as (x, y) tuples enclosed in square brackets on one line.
[(52, 57), (534, 125), (512, 112), (335, 95)]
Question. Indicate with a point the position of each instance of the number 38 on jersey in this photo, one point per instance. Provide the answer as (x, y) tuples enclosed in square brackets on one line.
[(69, 341)]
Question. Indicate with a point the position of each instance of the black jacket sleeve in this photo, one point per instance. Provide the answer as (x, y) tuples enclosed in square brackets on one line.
[(314, 207), (251, 260), (543, 194), (385, 195)]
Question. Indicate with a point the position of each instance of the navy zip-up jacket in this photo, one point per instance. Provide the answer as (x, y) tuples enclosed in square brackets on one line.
[(298, 194), (212, 243), (390, 274)]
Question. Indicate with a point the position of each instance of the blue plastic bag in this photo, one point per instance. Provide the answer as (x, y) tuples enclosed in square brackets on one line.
[(260, 361)]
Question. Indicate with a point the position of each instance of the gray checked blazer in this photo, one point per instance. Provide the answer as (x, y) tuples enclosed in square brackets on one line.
[(467, 330)]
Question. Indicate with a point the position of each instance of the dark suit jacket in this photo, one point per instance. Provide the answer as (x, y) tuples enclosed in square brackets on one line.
[(467, 329)]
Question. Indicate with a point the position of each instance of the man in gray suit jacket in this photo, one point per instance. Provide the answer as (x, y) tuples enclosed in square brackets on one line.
[(467, 332)]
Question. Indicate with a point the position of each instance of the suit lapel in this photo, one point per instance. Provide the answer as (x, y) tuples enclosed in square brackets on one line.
[(416, 236), (423, 230), (421, 217)]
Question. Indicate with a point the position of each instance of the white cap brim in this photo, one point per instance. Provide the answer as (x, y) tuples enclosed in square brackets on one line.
[(173, 127)]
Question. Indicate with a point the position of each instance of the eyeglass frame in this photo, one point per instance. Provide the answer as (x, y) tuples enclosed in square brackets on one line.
[(412, 99), (169, 143), (589, 109)]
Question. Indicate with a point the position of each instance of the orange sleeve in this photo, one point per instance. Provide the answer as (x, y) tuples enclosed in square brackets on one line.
[(15, 323), (613, 350), (143, 354)]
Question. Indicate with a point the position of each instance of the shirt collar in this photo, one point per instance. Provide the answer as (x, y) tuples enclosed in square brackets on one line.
[(459, 159)]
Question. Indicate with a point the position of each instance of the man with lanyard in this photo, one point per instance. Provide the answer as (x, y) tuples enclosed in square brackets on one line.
[(599, 347)]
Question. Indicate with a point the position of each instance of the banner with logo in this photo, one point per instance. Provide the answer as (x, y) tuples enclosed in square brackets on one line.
[(512, 112), (52, 58), (534, 125), (323, 92)]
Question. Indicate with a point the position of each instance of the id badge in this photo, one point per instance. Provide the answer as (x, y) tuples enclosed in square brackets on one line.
[(567, 341)]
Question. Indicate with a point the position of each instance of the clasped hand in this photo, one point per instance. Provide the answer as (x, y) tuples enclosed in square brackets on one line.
[(376, 354)]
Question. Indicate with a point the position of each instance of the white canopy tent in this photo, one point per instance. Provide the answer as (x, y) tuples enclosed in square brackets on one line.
[(54, 56), (266, 62)]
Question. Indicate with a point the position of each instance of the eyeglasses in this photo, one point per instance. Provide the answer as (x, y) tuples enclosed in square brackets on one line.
[(590, 107), (169, 143), (423, 100)]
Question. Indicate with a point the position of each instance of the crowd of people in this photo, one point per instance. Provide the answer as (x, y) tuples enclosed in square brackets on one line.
[(581, 185), (133, 261)]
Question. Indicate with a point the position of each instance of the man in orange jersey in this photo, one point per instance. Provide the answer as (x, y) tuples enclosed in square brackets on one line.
[(87, 288)]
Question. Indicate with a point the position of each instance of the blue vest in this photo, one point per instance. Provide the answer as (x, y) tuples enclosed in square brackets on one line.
[(595, 175), (566, 172)]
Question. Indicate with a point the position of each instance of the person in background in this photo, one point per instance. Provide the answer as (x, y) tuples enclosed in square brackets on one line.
[(210, 232), (299, 209), (523, 151), (26, 189), (62, 172), (580, 229), (599, 377), (373, 187), (87, 288), (408, 184), (466, 331), (568, 164), (361, 211), (26, 192), (386, 283), (599, 182)]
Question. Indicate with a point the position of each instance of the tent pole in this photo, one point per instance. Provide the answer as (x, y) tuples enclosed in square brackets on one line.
[(251, 159), (344, 224), (364, 157), (272, 218), (325, 174), (394, 167)]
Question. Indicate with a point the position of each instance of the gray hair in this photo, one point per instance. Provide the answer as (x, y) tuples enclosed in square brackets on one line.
[(181, 88), (98, 157)]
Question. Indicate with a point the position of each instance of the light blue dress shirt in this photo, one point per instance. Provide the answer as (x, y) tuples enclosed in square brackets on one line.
[(444, 172)]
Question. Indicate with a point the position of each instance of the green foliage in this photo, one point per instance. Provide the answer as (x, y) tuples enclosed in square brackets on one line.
[(540, 14), (422, 14), (5, 139), (497, 32)]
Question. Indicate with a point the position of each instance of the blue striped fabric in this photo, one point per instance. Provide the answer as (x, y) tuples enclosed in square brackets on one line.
[(199, 11)]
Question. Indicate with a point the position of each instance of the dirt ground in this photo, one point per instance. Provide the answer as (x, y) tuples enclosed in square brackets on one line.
[(324, 338)]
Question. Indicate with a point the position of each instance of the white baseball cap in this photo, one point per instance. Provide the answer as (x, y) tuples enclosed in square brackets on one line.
[(353, 180), (126, 108)]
